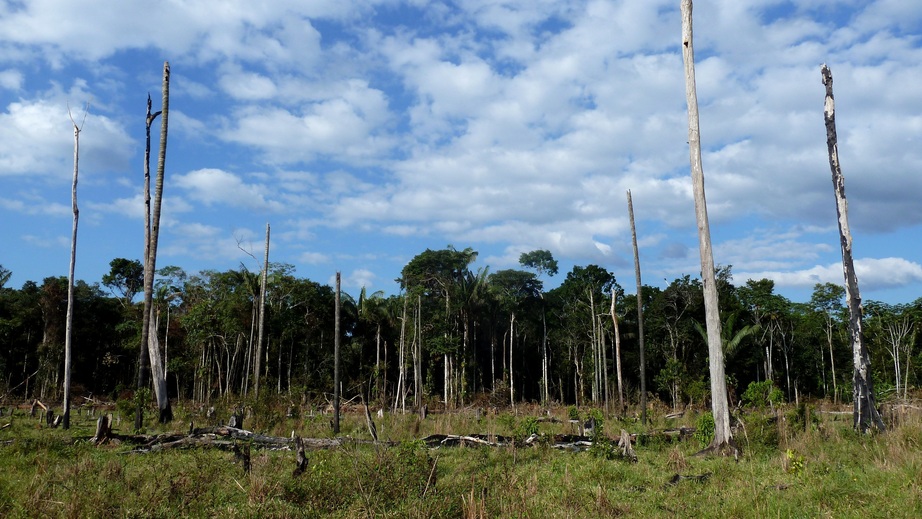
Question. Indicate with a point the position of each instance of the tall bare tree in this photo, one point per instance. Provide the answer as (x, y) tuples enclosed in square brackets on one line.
[(69, 319), (336, 340), (614, 320), (151, 237), (719, 401), (865, 409), (262, 317), (643, 367)]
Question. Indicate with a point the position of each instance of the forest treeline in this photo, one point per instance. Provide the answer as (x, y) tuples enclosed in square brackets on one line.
[(453, 335)]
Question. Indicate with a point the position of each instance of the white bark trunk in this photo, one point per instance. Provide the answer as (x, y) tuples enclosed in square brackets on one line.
[(719, 403), (156, 364)]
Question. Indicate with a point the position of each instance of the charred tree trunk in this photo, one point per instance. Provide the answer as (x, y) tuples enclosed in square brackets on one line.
[(865, 409)]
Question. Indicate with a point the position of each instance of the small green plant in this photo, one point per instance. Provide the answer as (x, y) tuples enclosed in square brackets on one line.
[(704, 429), (598, 430), (527, 427), (603, 448), (573, 412), (762, 394), (793, 462), (803, 418), (508, 422)]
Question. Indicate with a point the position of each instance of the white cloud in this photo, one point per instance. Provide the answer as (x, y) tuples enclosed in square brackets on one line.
[(347, 127), (11, 79), (314, 258), (359, 278), (37, 138), (35, 205), (873, 274), (214, 186)]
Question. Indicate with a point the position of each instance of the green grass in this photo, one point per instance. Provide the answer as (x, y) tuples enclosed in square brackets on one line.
[(826, 471)]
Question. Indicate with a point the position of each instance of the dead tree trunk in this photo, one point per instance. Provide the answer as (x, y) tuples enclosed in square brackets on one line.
[(336, 393), (151, 236), (865, 409), (614, 320), (719, 401), (643, 367), (262, 318), (69, 319)]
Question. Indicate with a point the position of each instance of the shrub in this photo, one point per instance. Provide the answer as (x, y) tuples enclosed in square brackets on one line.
[(704, 428), (527, 427), (762, 394)]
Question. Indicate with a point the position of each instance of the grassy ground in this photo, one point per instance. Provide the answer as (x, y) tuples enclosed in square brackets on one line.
[(790, 467)]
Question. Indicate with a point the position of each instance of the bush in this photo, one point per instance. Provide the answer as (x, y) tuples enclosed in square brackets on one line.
[(802, 418), (762, 430), (704, 429), (525, 428), (573, 412), (762, 394)]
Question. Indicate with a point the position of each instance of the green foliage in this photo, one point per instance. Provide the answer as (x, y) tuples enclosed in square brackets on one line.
[(541, 261), (508, 421), (698, 390), (794, 463), (598, 431), (802, 418), (762, 430), (604, 448), (527, 427), (573, 413), (405, 479), (704, 428), (762, 394), (653, 441)]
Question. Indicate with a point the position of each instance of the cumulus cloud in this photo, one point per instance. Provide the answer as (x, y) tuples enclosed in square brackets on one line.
[(506, 125), (37, 139), (873, 274), (214, 186), (11, 79)]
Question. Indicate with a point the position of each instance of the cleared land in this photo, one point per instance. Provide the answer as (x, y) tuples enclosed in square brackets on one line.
[(795, 463)]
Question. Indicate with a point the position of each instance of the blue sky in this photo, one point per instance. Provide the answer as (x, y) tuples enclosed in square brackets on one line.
[(365, 132)]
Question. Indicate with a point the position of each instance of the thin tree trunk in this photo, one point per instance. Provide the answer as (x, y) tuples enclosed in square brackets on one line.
[(336, 393), (400, 395), (594, 341), (865, 408), (418, 356), (545, 393), (511, 342), (262, 317), (719, 403), (832, 359), (614, 320), (643, 367), (68, 322)]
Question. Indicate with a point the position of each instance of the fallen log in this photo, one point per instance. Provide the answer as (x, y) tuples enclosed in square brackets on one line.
[(242, 434)]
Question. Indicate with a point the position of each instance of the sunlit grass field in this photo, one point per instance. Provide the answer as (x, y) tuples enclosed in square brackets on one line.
[(794, 463)]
